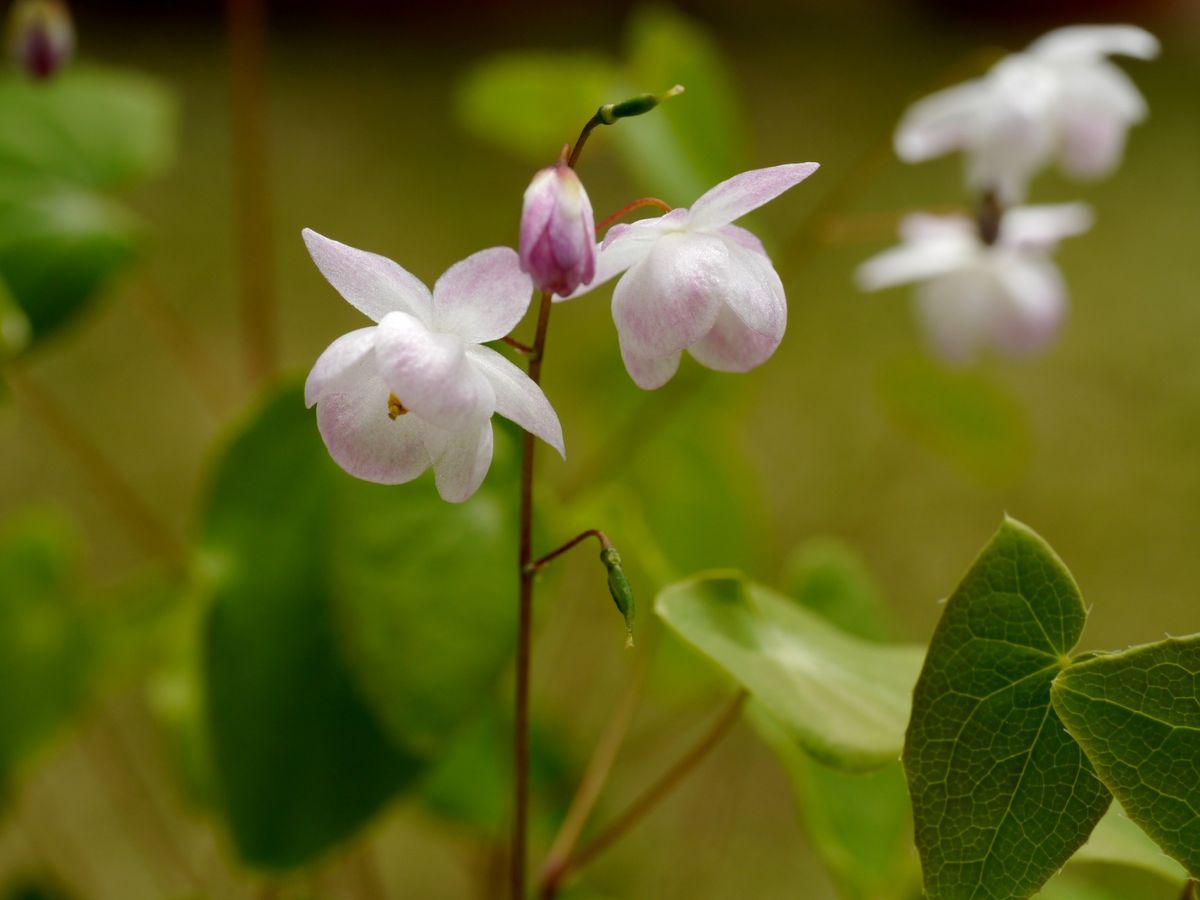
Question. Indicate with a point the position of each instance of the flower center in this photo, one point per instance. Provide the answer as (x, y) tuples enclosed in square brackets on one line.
[(395, 407)]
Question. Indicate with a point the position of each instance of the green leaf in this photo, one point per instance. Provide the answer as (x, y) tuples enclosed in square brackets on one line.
[(96, 127), (961, 416), (1002, 797), (300, 760), (46, 648), (1116, 840), (530, 104), (860, 825), (1137, 716), (844, 700), (828, 577)]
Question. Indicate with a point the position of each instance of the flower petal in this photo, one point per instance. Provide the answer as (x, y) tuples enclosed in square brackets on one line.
[(346, 362), (733, 198), (939, 123), (624, 246), (518, 398), (372, 284), (1086, 42), (957, 312), (1042, 227), (483, 297), (365, 441), (650, 372), (755, 292), (917, 261), (1100, 102), (732, 346), (671, 298), (431, 375), (1036, 301), (461, 459)]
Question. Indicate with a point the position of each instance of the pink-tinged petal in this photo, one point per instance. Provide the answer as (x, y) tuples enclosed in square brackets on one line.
[(1093, 145), (940, 123), (372, 284), (346, 362), (650, 372), (518, 398), (671, 298), (958, 311), (755, 293), (1100, 102), (460, 459), (483, 297), (1080, 43), (1042, 227), (1036, 304), (917, 261), (743, 193), (365, 441), (558, 231), (625, 245), (731, 346), (431, 375)]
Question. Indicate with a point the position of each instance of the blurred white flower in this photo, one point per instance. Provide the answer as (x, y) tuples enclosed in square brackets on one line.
[(558, 232), (1060, 100), (695, 282), (1007, 294), (417, 390)]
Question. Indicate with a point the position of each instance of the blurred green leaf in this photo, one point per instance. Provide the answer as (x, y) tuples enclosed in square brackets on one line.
[(33, 889), (300, 760), (1104, 882), (1002, 796), (828, 577), (860, 825), (91, 126), (46, 648), (1119, 841), (961, 416), (531, 104), (845, 700), (15, 330), (1137, 716)]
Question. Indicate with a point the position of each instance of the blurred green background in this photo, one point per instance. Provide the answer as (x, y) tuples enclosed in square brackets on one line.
[(388, 130)]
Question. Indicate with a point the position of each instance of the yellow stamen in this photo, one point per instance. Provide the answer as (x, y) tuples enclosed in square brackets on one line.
[(395, 407)]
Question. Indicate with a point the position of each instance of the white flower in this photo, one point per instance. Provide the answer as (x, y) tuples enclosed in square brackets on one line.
[(1008, 294), (1060, 100), (695, 282), (417, 389)]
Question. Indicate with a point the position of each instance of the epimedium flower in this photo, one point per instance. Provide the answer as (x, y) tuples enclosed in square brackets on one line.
[(417, 389), (1006, 293), (558, 231), (694, 281), (41, 36), (1060, 100)]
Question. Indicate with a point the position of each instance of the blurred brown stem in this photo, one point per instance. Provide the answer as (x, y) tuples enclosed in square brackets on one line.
[(1189, 891), (542, 561), (246, 30)]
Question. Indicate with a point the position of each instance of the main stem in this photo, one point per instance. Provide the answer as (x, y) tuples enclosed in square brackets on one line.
[(525, 624)]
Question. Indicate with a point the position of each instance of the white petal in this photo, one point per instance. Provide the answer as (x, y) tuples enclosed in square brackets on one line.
[(1036, 302), (346, 362), (671, 298), (733, 198), (460, 459), (1093, 145), (731, 346), (431, 375), (958, 311), (1042, 227), (920, 226), (755, 292), (1100, 102), (365, 441), (625, 245), (518, 398), (1084, 42), (373, 284), (483, 297), (940, 123), (650, 372), (917, 261)]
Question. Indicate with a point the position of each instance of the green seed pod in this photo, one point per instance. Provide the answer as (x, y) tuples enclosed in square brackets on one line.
[(619, 588), (634, 106)]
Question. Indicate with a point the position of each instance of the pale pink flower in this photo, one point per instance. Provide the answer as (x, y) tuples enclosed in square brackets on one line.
[(558, 231), (1060, 100), (694, 281), (417, 390), (1007, 294)]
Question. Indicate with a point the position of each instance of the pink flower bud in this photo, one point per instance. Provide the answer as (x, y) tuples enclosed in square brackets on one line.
[(41, 36), (558, 231)]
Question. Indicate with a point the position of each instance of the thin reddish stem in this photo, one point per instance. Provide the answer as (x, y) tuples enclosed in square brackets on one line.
[(523, 349), (541, 562), (627, 209)]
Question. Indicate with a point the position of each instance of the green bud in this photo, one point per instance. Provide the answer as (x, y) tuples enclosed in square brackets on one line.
[(619, 588), (634, 106)]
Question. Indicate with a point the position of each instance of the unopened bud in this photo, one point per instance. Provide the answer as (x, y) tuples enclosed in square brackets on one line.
[(558, 231), (619, 588), (634, 106), (41, 36)]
